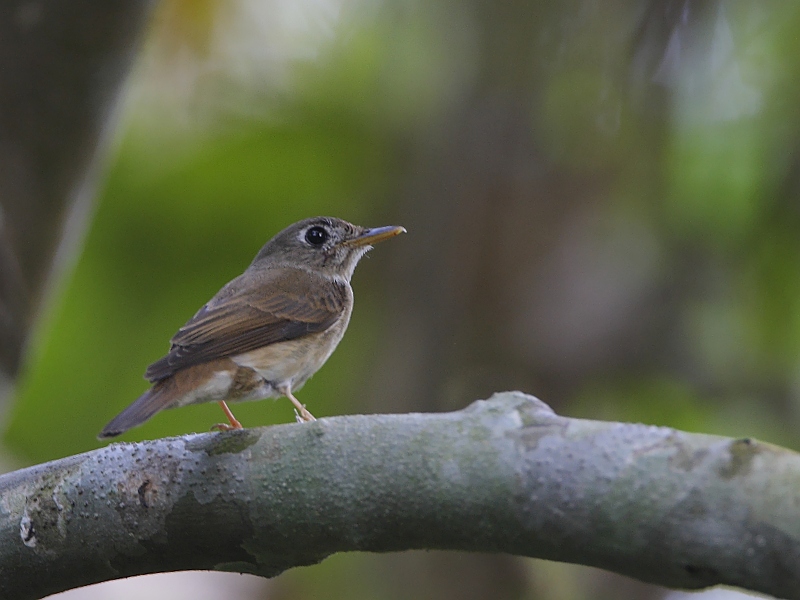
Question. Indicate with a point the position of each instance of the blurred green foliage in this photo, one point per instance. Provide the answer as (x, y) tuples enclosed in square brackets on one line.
[(168, 233), (185, 207), (684, 164), (182, 212)]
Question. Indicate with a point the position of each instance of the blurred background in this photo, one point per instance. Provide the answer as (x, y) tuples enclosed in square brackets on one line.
[(602, 201)]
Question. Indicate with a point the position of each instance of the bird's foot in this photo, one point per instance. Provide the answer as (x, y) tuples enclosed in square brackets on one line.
[(234, 422), (300, 412), (300, 417), (225, 427)]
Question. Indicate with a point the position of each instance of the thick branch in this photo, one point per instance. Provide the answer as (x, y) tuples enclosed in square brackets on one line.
[(503, 475)]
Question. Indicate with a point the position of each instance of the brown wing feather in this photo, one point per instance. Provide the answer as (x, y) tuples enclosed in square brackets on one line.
[(280, 305)]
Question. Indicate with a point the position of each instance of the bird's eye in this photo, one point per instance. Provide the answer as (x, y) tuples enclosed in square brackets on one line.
[(316, 236)]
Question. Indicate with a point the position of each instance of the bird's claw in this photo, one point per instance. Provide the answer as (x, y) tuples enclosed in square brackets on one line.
[(224, 427), (303, 416)]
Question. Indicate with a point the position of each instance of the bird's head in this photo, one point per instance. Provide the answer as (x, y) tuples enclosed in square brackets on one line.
[(323, 244)]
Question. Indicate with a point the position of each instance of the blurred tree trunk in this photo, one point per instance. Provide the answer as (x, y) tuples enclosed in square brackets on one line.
[(509, 224), (62, 64)]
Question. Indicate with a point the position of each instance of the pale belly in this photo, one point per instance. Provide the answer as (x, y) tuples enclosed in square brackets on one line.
[(267, 372), (288, 365)]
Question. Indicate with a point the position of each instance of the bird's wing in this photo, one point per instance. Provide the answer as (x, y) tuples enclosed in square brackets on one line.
[(279, 305)]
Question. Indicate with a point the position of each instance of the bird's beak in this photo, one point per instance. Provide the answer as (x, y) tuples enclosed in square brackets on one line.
[(374, 235)]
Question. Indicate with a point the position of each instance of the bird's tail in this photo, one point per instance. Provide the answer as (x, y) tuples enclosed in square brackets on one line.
[(145, 406)]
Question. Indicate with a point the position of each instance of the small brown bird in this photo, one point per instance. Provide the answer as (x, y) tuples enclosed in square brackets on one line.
[(267, 331)]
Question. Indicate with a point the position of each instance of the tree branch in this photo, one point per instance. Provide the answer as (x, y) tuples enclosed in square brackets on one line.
[(503, 475)]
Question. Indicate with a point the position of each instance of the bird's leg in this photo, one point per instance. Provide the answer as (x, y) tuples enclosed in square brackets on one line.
[(300, 411), (234, 422)]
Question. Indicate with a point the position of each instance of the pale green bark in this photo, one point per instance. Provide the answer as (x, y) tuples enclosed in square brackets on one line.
[(503, 475)]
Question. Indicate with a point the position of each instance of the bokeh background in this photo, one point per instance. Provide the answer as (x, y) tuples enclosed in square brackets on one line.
[(603, 206)]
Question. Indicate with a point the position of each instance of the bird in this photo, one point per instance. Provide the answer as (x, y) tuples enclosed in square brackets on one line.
[(266, 332)]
